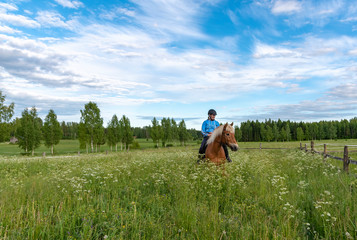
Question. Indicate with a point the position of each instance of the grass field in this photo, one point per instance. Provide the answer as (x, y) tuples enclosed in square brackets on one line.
[(164, 194), (68, 147)]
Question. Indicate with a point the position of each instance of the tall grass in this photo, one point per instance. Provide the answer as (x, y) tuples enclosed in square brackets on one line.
[(164, 194)]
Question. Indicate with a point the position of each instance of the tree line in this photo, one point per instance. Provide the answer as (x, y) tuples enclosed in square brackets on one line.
[(271, 130), (29, 129)]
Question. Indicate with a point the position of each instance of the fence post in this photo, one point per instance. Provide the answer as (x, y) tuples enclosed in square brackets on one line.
[(325, 151), (300, 146), (305, 147), (260, 146), (346, 161), (312, 146), (44, 154)]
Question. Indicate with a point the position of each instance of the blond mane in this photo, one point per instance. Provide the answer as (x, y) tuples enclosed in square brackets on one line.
[(218, 132)]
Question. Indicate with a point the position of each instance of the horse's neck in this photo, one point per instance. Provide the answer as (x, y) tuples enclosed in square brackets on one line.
[(217, 144)]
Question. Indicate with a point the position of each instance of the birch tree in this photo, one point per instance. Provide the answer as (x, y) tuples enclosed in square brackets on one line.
[(52, 131), (29, 133), (92, 123)]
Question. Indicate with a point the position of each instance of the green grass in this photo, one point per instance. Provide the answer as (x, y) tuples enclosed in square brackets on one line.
[(68, 147), (164, 194)]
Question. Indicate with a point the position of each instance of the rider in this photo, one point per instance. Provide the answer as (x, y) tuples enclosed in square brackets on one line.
[(207, 129)]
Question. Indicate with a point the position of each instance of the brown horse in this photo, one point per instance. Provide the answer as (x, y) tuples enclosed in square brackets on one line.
[(224, 134)]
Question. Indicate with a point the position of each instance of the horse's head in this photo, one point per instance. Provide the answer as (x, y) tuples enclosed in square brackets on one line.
[(228, 137)]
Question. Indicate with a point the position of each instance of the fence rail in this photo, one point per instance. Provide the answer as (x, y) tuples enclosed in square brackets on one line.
[(346, 159)]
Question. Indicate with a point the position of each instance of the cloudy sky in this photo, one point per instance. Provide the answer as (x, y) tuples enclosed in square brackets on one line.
[(255, 59)]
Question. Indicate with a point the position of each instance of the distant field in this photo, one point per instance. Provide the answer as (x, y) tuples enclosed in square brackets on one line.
[(163, 194), (66, 147)]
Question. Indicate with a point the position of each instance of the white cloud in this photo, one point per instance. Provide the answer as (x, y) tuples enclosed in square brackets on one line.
[(346, 91), (286, 7), (70, 3), (50, 19), (138, 64), (6, 29), (117, 13), (353, 52), (349, 19), (18, 20), (178, 17), (264, 50), (54, 19), (9, 7)]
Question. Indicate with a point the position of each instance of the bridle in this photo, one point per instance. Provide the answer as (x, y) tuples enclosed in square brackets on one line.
[(223, 135)]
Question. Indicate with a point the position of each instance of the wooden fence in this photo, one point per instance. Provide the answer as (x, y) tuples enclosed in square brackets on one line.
[(326, 154), (346, 159)]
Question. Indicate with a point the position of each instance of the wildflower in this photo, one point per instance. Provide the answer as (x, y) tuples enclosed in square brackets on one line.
[(348, 235)]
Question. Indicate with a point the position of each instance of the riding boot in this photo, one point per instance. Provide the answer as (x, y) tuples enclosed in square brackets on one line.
[(200, 158), (226, 153)]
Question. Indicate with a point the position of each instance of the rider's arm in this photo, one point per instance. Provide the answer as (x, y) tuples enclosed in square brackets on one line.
[(203, 129), (217, 123)]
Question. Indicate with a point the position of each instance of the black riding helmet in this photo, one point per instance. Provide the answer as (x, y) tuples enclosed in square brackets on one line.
[(212, 111)]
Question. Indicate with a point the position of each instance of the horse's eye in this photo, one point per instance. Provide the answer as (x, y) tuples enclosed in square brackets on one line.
[(227, 134)]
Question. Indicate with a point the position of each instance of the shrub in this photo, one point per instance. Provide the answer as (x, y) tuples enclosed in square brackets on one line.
[(135, 145)]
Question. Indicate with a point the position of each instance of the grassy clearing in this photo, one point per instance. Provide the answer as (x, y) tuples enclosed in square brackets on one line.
[(163, 194), (68, 147)]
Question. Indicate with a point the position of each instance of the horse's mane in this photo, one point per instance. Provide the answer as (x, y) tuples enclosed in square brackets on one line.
[(218, 132)]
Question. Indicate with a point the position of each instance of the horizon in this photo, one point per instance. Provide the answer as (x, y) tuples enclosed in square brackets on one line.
[(105, 125), (249, 60)]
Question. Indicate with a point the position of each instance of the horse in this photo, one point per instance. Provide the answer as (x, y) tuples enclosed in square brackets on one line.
[(223, 134)]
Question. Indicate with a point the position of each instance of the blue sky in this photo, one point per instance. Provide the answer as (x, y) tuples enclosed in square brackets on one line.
[(251, 60)]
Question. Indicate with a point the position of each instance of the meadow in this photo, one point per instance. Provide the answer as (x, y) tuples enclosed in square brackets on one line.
[(163, 194), (65, 147)]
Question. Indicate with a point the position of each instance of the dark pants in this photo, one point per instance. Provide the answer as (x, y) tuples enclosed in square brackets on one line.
[(204, 146)]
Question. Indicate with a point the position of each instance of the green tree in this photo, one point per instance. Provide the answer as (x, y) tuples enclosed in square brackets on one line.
[(269, 133), (6, 113), (99, 137), (275, 132), (155, 132), (174, 130), (314, 130), (182, 132), (307, 132), (237, 134), (300, 134), (83, 137), (332, 131), (52, 131), (166, 131), (114, 132), (29, 133), (287, 132), (93, 123), (127, 136), (262, 132)]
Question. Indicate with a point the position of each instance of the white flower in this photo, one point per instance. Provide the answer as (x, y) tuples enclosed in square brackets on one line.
[(348, 235)]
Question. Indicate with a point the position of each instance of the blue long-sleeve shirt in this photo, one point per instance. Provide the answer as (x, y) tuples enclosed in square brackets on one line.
[(208, 126)]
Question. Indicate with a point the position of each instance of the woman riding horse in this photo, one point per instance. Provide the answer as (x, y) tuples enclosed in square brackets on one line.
[(208, 127)]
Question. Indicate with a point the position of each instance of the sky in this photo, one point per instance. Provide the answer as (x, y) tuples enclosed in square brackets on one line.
[(248, 60)]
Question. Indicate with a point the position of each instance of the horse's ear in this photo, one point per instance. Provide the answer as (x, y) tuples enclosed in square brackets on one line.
[(232, 124), (225, 126)]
